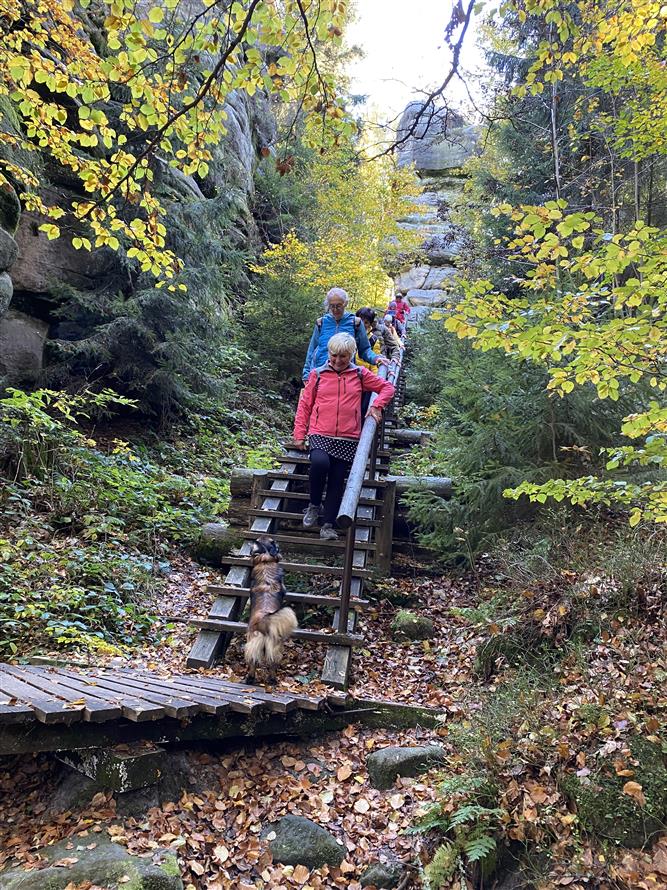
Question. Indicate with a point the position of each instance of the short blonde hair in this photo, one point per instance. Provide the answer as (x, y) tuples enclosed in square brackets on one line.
[(342, 344)]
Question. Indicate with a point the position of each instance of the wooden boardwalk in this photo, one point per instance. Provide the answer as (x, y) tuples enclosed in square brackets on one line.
[(49, 708)]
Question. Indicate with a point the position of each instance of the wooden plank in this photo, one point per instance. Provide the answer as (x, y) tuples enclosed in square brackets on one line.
[(304, 496), (304, 568), (180, 705), (313, 540), (96, 708), (172, 707), (239, 702), (297, 517), (312, 599), (279, 703), (15, 713), (47, 709), (313, 636), (304, 477), (136, 708), (385, 534)]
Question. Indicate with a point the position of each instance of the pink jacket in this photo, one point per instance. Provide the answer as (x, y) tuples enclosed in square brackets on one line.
[(402, 309), (330, 404)]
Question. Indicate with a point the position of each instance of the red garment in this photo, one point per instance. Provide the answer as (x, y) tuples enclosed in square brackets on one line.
[(402, 309), (332, 406)]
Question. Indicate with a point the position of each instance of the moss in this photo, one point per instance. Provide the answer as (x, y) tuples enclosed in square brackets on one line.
[(410, 626), (603, 809), (170, 866)]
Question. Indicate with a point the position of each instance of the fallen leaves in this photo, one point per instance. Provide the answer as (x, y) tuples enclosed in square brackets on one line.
[(636, 792)]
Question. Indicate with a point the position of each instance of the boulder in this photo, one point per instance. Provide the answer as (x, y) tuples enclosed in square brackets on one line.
[(411, 278), (10, 208), (8, 250), (22, 341), (383, 875), (42, 263), (6, 291), (385, 765), (442, 248), (439, 277), (295, 840), (107, 865), (429, 298), (442, 140), (410, 626)]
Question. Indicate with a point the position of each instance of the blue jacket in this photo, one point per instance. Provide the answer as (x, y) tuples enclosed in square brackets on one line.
[(318, 353)]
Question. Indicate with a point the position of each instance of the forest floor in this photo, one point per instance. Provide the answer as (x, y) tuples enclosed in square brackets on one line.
[(513, 726)]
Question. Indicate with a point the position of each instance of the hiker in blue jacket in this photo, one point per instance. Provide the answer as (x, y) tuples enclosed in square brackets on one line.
[(337, 321)]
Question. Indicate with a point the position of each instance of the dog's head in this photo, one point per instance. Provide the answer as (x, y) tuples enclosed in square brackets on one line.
[(265, 549)]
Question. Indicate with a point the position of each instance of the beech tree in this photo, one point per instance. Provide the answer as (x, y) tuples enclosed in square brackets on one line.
[(106, 89), (593, 307)]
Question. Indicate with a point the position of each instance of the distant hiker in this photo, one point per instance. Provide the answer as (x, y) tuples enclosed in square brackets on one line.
[(389, 330), (329, 413), (337, 321), (381, 342), (403, 309)]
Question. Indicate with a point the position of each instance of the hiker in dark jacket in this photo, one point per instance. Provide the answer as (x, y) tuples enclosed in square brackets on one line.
[(337, 321)]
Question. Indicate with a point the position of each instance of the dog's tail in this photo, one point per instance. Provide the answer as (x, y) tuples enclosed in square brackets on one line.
[(264, 644)]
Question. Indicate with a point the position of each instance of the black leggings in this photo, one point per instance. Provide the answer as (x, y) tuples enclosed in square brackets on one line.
[(333, 471)]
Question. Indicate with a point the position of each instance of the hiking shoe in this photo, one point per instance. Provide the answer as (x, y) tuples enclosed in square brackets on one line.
[(311, 516), (328, 532)]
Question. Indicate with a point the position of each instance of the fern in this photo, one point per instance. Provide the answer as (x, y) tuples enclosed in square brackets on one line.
[(473, 812), (479, 847)]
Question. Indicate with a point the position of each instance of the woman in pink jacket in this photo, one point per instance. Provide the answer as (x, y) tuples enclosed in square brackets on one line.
[(329, 413)]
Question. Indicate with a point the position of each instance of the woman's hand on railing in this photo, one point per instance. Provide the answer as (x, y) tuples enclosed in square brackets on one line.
[(300, 444), (375, 413), (381, 360)]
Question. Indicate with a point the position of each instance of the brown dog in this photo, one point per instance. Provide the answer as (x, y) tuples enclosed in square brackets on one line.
[(271, 623)]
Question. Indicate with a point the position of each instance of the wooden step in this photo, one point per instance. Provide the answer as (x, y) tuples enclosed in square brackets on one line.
[(304, 477), (312, 636), (309, 541), (304, 496), (302, 567), (311, 599), (297, 517)]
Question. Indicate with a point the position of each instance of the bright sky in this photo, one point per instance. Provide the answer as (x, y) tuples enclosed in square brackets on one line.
[(403, 41)]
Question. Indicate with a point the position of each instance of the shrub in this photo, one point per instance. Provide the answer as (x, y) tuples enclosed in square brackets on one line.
[(497, 427)]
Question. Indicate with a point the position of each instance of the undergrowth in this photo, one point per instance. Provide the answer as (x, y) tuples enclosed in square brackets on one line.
[(88, 529)]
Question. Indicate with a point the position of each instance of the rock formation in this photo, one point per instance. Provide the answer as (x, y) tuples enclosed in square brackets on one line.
[(438, 144), (35, 272)]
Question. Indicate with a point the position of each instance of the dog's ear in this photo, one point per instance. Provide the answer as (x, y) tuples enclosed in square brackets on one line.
[(274, 549), (256, 548)]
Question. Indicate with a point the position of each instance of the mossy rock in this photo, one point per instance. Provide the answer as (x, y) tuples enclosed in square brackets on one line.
[(410, 626), (603, 809), (386, 764), (10, 208), (215, 542), (299, 841), (107, 865)]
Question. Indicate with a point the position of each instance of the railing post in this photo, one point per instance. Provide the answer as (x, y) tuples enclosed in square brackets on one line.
[(346, 580)]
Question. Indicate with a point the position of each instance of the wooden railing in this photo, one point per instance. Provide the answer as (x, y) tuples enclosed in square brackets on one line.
[(371, 433)]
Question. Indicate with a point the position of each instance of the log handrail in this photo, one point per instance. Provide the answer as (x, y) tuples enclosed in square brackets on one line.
[(355, 481)]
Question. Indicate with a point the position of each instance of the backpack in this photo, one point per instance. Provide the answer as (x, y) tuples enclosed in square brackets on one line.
[(357, 322)]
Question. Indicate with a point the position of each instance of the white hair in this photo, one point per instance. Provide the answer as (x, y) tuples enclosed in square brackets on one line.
[(342, 344), (336, 292)]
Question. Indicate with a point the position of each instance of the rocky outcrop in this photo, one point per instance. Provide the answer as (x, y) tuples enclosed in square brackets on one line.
[(441, 139), (37, 274), (438, 145), (22, 341)]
